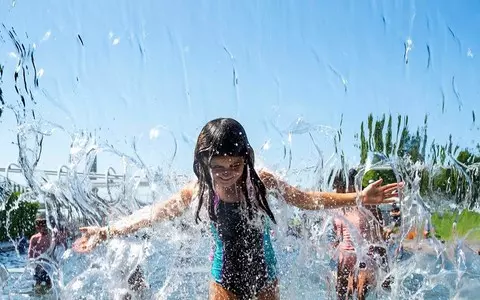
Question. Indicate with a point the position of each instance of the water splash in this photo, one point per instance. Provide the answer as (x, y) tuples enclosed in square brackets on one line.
[(173, 255)]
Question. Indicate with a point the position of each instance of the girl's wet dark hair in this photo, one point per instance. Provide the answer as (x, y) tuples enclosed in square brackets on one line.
[(227, 137), (41, 222), (338, 180)]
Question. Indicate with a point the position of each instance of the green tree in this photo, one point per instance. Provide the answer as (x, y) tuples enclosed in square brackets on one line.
[(425, 136), (411, 146), (380, 140), (363, 145), (399, 123), (454, 172), (378, 135), (370, 132), (17, 217), (460, 177), (467, 158), (388, 137), (401, 150), (388, 176)]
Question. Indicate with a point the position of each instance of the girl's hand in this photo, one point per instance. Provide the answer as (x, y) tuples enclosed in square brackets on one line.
[(91, 237), (376, 193)]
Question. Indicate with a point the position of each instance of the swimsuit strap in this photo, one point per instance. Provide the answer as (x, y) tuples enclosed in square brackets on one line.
[(216, 200)]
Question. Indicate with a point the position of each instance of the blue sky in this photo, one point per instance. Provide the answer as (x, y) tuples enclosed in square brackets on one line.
[(164, 64)]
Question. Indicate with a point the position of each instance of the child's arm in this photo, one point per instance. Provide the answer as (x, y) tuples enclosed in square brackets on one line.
[(374, 194), (145, 217), (32, 246)]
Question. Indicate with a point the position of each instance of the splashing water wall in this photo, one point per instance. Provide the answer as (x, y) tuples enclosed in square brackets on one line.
[(101, 103)]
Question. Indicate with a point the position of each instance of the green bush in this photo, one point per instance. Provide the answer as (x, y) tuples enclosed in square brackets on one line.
[(21, 217), (387, 175)]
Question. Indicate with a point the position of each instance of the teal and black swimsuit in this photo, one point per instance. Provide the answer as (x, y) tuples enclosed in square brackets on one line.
[(243, 258)]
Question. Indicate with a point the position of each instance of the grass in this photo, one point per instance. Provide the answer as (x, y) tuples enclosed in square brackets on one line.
[(467, 220)]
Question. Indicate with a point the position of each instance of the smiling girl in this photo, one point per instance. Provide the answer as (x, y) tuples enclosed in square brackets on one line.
[(235, 197)]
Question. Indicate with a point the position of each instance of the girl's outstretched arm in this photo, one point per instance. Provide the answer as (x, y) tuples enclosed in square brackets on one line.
[(374, 194), (145, 217), (154, 213)]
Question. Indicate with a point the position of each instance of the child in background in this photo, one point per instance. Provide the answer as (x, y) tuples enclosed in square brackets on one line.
[(351, 280), (40, 244)]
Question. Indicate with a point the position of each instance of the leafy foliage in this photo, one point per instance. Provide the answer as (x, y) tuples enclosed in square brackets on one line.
[(17, 217), (456, 171)]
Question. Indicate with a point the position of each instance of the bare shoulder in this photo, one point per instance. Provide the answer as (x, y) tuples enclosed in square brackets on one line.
[(263, 173), (267, 177), (34, 238)]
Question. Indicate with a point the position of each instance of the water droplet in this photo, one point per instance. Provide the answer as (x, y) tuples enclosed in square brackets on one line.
[(469, 52), (154, 133), (46, 36), (266, 145)]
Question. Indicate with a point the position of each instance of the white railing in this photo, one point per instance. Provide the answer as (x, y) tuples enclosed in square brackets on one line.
[(107, 179)]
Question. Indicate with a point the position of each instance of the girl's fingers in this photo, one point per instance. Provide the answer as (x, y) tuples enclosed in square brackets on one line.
[(390, 189), (389, 186), (391, 195)]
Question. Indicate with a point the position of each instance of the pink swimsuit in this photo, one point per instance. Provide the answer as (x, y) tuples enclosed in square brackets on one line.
[(365, 230)]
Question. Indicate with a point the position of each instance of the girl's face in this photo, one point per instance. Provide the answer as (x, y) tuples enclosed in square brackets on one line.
[(226, 170)]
